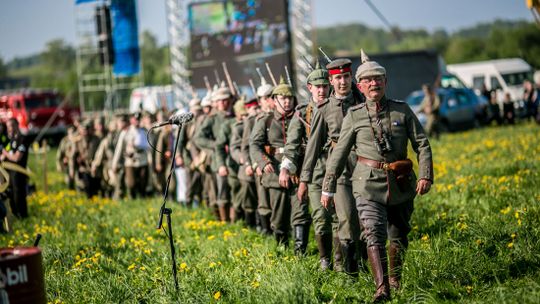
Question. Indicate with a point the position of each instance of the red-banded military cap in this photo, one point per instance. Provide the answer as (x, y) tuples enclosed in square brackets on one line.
[(339, 66)]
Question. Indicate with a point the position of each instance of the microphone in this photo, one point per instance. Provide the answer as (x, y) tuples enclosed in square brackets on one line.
[(177, 119)]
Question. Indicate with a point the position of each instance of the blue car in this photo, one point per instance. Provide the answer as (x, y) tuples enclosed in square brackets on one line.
[(460, 108)]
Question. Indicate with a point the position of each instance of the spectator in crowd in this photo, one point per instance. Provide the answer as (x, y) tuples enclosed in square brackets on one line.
[(508, 109), (16, 152)]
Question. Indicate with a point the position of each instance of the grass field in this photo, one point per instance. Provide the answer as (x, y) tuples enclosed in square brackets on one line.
[(475, 239)]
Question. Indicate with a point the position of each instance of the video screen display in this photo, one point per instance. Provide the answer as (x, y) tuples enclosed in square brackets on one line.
[(242, 33)]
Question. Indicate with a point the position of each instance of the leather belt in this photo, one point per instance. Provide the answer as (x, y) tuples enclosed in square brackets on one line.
[(373, 163)]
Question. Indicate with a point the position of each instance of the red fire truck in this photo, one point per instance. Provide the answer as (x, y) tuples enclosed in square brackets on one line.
[(38, 111)]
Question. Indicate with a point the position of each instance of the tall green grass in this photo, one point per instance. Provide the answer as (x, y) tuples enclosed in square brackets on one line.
[(475, 239)]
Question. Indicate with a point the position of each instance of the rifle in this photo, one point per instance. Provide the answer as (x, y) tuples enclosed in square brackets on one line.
[(271, 75), (308, 63), (229, 80), (252, 87), (326, 57)]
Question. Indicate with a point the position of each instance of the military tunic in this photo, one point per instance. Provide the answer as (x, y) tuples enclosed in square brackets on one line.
[(380, 200), (225, 138), (326, 126), (263, 199), (267, 143)]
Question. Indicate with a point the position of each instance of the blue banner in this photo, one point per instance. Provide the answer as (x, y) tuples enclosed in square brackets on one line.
[(125, 36), (84, 1)]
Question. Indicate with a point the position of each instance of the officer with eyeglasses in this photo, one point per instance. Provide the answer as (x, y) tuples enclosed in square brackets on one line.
[(384, 184)]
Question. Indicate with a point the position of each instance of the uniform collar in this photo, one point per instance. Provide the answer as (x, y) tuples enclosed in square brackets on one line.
[(381, 105)]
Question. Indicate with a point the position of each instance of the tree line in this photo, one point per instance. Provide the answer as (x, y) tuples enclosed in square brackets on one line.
[(55, 67)]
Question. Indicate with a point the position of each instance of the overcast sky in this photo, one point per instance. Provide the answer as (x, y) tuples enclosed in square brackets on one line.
[(27, 25)]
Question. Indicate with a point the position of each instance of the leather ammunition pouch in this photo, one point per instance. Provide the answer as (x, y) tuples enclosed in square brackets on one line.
[(401, 169)]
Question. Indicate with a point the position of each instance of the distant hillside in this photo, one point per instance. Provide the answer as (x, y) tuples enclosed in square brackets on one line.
[(498, 39)]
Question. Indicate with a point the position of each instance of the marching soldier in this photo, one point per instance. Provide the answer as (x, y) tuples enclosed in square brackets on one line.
[(266, 148), (246, 176), (264, 211), (206, 136), (65, 149), (189, 155), (85, 150), (324, 220), (385, 185), (101, 165), (131, 148), (325, 128), (228, 153)]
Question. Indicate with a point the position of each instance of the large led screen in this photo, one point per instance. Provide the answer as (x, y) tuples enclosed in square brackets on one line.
[(242, 33)]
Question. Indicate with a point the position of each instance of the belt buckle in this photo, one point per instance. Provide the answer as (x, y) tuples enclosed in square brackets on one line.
[(385, 166)]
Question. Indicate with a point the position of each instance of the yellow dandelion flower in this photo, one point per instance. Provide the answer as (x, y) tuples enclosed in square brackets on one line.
[(469, 289), (516, 215), (217, 295), (519, 222), (513, 236), (255, 284), (212, 265), (131, 267), (510, 245), (183, 265), (425, 238), (142, 268), (506, 210), (479, 242), (211, 237)]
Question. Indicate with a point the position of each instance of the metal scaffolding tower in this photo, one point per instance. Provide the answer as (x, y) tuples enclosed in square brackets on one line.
[(99, 88), (302, 42), (177, 21)]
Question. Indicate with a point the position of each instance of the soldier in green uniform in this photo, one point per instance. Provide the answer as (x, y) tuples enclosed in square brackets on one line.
[(266, 148), (228, 137), (206, 137), (384, 184), (430, 107), (325, 128), (203, 160), (264, 211), (240, 153), (297, 137)]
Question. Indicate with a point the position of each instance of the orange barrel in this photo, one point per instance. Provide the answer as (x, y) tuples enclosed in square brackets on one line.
[(21, 274)]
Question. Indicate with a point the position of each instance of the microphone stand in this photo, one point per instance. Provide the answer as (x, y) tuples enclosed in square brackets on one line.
[(167, 211)]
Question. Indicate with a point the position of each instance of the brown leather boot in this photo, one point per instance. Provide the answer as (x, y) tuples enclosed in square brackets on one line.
[(338, 255), (379, 268), (395, 256), (324, 244), (223, 213)]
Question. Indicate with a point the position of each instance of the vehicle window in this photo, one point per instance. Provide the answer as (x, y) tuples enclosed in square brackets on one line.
[(478, 82), (451, 81), (463, 99), (495, 85), (41, 102), (516, 79), (415, 100)]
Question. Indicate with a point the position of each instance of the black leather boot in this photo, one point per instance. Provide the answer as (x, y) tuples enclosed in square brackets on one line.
[(301, 236), (324, 244), (265, 224), (282, 239), (350, 261), (338, 255)]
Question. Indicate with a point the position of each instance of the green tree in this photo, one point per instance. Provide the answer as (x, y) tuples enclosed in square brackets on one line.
[(3, 69), (155, 61)]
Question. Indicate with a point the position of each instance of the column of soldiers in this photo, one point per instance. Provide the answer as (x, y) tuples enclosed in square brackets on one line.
[(270, 160)]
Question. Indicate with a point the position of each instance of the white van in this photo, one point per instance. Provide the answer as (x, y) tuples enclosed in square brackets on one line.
[(502, 75), (152, 98)]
